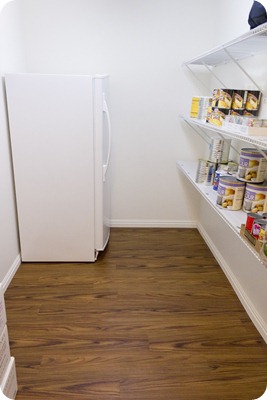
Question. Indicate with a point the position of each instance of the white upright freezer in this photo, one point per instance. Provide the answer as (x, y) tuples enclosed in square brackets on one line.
[(60, 141)]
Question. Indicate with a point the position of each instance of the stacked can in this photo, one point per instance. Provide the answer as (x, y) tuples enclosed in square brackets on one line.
[(205, 172), (255, 200), (230, 193), (239, 100), (200, 107), (257, 225), (221, 104), (233, 102), (219, 150), (252, 170), (252, 103), (252, 166)]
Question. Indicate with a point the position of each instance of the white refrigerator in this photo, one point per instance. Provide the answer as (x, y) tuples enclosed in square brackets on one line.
[(60, 141)]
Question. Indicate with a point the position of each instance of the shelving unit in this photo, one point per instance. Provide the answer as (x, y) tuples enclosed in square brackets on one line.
[(257, 141), (247, 45), (219, 227), (234, 219)]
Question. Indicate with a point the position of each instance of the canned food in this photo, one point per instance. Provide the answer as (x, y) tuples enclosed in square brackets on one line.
[(255, 199), (217, 116), (194, 107), (263, 234), (204, 108), (252, 166), (217, 176), (258, 225), (232, 167), (236, 112), (219, 150), (225, 98), (210, 174), (239, 99), (205, 172), (199, 107), (215, 150), (225, 151), (250, 113), (230, 193), (253, 100), (250, 219), (215, 97)]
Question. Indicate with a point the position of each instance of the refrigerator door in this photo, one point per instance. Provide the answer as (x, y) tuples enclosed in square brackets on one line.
[(51, 127), (102, 162)]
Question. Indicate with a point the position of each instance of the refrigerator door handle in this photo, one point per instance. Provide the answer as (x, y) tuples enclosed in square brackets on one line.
[(106, 111)]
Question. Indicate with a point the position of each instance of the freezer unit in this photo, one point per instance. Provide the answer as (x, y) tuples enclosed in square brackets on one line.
[(60, 140)]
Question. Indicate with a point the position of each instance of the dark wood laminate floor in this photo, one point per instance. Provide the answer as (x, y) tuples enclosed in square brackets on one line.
[(153, 319)]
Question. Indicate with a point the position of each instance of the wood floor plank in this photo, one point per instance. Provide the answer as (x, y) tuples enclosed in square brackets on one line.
[(154, 318)]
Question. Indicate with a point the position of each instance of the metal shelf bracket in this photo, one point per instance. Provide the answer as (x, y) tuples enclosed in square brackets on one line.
[(198, 79), (213, 74), (235, 61)]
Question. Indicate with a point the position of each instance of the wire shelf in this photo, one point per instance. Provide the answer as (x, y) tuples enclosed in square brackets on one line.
[(249, 44), (258, 141), (234, 219)]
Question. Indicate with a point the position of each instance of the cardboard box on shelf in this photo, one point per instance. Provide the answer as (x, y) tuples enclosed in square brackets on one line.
[(250, 239), (254, 130), (9, 385)]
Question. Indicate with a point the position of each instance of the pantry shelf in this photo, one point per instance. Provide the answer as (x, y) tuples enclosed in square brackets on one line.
[(234, 219), (258, 141), (249, 44)]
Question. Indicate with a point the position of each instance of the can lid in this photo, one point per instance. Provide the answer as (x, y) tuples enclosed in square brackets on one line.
[(231, 180), (254, 215), (252, 151), (257, 186), (261, 221), (256, 92)]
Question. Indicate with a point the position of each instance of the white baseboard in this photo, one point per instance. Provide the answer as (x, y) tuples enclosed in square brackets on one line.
[(243, 297), (11, 272), (128, 223)]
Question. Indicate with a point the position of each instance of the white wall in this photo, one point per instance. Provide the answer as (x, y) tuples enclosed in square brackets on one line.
[(141, 44), (11, 58), (231, 19)]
